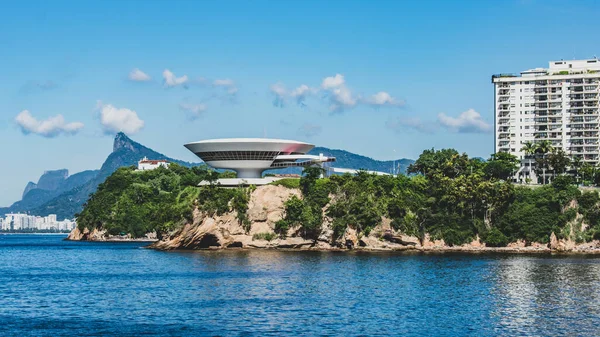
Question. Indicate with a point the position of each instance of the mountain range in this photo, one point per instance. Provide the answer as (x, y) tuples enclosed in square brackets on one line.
[(57, 192)]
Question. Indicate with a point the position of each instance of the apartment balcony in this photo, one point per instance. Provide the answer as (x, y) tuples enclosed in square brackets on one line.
[(577, 150)]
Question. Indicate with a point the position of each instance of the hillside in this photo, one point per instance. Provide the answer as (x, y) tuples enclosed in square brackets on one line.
[(58, 193), (351, 160), (50, 185), (126, 152)]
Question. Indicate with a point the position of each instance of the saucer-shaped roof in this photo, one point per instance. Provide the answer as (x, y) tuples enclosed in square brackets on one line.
[(249, 144)]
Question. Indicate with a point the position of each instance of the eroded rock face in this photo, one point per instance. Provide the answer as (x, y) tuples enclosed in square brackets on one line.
[(553, 241), (102, 235), (266, 207)]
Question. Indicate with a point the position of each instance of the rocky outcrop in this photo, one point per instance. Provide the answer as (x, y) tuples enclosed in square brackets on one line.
[(266, 207), (101, 235)]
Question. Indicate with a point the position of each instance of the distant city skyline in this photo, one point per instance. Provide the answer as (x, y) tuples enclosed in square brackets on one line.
[(385, 79), (28, 222)]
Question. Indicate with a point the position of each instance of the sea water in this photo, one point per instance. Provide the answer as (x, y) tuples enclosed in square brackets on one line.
[(51, 287)]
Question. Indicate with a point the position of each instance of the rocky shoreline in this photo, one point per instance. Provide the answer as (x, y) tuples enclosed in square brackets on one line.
[(102, 236), (266, 207)]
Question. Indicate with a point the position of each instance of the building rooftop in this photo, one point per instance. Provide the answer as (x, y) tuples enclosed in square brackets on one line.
[(587, 67), (247, 140)]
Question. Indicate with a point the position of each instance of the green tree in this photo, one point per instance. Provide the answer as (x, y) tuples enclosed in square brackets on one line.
[(502, 165), (558, 161)]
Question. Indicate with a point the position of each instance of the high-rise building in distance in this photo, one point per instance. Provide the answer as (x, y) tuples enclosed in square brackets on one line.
[(558, 104)]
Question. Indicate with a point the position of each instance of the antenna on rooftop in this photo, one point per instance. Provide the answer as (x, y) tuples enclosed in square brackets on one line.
[(264, 132)]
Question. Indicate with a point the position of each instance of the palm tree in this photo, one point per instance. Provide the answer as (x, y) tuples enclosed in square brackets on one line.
[(576, 166), (544, 147), (529, 148)]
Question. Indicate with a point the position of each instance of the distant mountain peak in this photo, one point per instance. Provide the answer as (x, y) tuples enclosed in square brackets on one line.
[(123, 142)]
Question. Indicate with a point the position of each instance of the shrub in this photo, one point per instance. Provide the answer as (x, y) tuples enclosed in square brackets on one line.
[(495, 238), (288, 183), (282, 227), (264, 236)]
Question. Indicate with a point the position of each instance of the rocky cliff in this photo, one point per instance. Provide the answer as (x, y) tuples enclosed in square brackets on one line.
[(97, 235), (266, 207)]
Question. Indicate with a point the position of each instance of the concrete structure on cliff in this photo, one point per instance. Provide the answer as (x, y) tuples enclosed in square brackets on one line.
[(250, 157)]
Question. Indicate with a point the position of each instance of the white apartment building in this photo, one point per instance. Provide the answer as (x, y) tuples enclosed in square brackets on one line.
[(558, 103), (21, 221)]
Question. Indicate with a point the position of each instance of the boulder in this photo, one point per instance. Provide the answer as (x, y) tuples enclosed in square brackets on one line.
[(553, 242)]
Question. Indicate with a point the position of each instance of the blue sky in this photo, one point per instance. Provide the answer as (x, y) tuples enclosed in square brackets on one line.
[(369, 77)]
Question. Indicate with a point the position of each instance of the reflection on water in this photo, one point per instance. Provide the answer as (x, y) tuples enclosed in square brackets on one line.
[(50, 287), (545, 296)]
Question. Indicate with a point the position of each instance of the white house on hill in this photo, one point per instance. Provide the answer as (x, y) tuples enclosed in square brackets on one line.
[(147, 164)]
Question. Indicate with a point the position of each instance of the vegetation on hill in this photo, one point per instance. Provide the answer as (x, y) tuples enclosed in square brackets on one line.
[(76, 189), (448, 196), (125, 153), (138, 202)]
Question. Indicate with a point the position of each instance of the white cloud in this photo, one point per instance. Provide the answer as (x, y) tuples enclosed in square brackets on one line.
[(336, 91), (119, 119), (280, 93), (383, 98), (137, 75), (467, 122), (51, 127), (340, 96), (310, 130), (333, 82), (226, 83), (170, 80), (195, 110), (302, 92)]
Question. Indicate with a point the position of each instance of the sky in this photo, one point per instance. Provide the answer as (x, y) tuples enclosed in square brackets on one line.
[(385, 79)]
